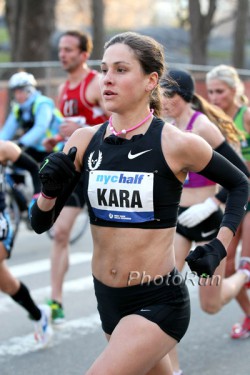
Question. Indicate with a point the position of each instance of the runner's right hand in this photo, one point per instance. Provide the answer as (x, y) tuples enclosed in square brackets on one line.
[(57, 170)]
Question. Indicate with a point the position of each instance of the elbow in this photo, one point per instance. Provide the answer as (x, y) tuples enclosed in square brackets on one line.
[(40, 221)]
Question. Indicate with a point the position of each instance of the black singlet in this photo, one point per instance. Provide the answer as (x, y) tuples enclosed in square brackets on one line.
[(128, 182)]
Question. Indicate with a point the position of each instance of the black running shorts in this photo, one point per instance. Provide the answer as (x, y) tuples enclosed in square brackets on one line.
[(164, 301)]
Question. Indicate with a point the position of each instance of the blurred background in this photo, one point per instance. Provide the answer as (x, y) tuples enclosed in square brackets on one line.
[(196, 35)]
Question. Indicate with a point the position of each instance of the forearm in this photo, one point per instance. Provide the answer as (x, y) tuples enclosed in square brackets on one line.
[(26, 162), (225, 150), (42, 216), (231, 178), (225, 235), (9, 128), (44, 211)]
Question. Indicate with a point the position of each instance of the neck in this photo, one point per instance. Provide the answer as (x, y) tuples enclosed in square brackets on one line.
[(125, 131), (183, 119), (76, 76), (231, 111)]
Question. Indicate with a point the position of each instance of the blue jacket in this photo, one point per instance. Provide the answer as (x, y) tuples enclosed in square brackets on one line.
[(32, 121)]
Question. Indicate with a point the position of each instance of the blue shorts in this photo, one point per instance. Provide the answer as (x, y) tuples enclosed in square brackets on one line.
[(8, 242), (164, 301)]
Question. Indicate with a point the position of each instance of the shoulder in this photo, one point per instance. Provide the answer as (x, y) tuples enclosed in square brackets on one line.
[(43, 99), (179, 139), (81, 139), (208, 130), (93, 77), (62, 87), (184, 150)]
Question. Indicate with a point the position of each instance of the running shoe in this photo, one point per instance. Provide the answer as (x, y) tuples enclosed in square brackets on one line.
[(42, 328), (57, 312), (244, 264), (241, 330)]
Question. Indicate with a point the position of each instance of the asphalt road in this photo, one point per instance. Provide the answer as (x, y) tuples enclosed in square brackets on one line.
[(206, 349)]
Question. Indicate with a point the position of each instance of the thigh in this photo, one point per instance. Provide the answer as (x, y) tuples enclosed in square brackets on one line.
[(3, 252), (246, 235), (210, 289), (136, 347), (66, 219)]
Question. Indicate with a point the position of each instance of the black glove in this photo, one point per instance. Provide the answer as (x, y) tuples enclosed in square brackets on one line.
[(4, 227), (57, 170), (205, 259)]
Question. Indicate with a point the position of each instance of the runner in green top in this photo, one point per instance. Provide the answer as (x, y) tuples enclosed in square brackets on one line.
[(226, 90)]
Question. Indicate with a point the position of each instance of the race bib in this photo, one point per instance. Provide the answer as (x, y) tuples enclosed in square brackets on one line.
[(121, 196)]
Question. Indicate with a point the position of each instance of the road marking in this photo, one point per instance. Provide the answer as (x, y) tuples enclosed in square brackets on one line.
[(40, 294), (21, 345), (44, 265)]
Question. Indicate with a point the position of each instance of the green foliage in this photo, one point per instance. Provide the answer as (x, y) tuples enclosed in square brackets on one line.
[(4, 36), (4, 40), (4, 56), (219, 54)]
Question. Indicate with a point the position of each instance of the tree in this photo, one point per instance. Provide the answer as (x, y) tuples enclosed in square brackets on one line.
[(200, 28), (238, 57), (30, 24), (98, 10)]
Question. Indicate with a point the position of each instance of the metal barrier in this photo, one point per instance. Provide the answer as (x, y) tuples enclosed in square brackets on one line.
[(50, 75)]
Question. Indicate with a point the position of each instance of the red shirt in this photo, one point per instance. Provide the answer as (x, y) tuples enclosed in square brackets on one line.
[(73, 102)]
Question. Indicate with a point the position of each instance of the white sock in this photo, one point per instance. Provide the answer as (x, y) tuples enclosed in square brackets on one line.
[(179, 372), (246, 272)]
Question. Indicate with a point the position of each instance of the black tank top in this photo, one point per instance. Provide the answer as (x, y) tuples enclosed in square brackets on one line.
[(128, 182)]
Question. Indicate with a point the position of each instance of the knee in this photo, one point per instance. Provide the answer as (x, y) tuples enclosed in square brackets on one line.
[(61, 234), (211, 307)]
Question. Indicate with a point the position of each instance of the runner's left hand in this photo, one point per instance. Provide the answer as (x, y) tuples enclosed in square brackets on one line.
[(204, 259)]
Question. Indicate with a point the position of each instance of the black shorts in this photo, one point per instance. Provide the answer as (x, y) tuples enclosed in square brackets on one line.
[(204, 231), (76, 199), (164, 301)]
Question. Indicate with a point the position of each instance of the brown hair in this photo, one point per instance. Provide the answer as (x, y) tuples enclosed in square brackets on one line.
[(150, 55), (85, 41)]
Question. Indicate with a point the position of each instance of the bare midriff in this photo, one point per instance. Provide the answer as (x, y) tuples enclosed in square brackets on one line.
[(130, 256), (192, 196)]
